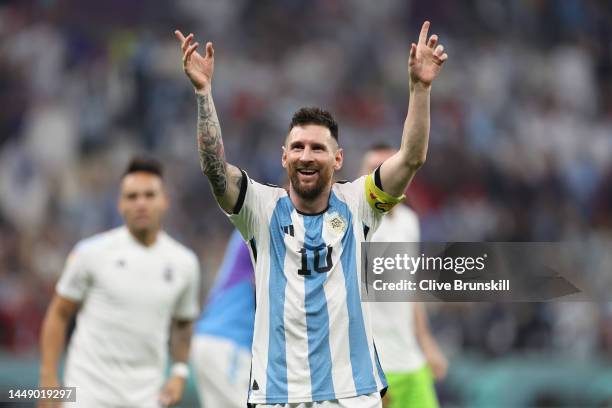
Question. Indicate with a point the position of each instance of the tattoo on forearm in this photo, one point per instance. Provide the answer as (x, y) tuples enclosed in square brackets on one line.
[(210, 145)]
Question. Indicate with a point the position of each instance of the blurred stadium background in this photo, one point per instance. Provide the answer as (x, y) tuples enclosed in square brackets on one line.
[(521, 144)]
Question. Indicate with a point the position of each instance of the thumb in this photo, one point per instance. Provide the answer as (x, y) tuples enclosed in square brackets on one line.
[(210, 51), (413, 49)]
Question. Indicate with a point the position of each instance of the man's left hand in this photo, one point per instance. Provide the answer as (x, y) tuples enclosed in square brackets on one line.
[(172, 392), (426, 58)]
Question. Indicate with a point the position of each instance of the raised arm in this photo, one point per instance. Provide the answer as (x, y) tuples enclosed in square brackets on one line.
[(424, 65), (224, 178)]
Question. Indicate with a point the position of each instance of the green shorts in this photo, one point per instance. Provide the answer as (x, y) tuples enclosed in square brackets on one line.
[(411, 390)]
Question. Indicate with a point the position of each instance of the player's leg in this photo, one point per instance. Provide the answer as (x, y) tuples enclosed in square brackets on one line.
[(222, 372), (411, 390)]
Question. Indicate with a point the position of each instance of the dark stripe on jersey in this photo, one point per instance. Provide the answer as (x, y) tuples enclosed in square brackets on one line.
[(243, 187), (366, 229), (253, 248)]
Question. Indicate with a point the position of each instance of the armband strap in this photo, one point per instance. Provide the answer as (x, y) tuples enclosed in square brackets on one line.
[(378, 199), (180, 369)]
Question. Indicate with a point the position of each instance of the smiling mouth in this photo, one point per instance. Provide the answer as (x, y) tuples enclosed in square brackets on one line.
[(307, 172)]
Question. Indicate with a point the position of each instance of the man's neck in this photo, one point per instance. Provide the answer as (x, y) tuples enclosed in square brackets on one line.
[(145, 237), (314, 206)]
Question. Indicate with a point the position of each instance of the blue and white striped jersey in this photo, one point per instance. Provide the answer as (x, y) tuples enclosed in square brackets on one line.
[(312, 339)]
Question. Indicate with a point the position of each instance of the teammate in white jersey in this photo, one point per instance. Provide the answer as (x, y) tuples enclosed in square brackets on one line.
[(133, 288), (408, 352), (312, 341)]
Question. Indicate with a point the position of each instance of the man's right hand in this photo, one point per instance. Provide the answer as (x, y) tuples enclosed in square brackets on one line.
[(198, 68)]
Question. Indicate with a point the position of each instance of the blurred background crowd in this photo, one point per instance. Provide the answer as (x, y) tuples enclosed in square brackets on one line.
[(520, 150)]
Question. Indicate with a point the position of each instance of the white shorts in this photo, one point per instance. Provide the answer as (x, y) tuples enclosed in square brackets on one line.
[(222, 371), (363, 401)]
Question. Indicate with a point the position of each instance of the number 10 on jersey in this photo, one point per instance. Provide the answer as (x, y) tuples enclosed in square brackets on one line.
[(307, 254)]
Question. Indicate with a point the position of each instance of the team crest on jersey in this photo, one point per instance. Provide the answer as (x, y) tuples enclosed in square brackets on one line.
[(335, 223)]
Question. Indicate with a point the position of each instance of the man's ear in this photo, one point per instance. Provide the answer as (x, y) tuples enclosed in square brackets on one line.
[(339, 159), (284, 157)]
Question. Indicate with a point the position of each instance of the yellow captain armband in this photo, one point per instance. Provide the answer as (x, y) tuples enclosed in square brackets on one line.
[(378, 199)]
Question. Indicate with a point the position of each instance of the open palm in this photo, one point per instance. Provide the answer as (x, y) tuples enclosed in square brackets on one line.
[(198, 68), (426, 58)]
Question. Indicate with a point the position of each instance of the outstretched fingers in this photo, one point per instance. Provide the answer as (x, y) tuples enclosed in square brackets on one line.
[(189, 52), (179, 35), (423, 34), (186, 43), (439, 55), (433, 40)]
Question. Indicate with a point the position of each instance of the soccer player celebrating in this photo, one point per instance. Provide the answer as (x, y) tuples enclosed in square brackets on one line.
[(409, 354), (132, 288), (312, 341)]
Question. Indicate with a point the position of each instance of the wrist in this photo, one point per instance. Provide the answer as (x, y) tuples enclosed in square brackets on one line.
[(47, 373), (417, 87), (48, 380), (180, 370), (205, 90)]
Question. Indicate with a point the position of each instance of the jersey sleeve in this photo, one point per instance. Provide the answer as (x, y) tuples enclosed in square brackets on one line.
[(251, 210), (76, 279), (187, 306)]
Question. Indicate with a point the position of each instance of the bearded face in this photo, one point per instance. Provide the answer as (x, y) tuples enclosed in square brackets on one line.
[(309, 179), (311, 156)]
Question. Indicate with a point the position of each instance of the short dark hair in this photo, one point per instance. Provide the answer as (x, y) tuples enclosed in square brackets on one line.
[(144, 164), (311, 115)]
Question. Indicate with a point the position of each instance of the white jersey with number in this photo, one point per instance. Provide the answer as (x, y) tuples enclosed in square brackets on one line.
[(312, 339), (393, 322), (128, 293)]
